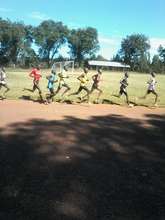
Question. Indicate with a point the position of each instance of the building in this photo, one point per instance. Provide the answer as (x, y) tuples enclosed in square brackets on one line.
[(111, 65)]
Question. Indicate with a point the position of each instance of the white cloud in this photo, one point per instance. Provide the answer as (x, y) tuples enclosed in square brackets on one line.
[(38, 15), (5, 10), (155, 43), (107, 52), (109, 46), (106, 40)]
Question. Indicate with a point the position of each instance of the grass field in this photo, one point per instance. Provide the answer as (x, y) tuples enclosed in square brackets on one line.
[(19, 79)]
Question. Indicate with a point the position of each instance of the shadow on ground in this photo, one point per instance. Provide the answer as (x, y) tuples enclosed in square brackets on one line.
[(28, 98), (103, 168)]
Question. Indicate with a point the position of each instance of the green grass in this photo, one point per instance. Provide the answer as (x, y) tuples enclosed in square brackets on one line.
[(19, 79)]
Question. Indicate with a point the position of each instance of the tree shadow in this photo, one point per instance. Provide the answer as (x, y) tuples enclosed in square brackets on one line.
[(108, 167)]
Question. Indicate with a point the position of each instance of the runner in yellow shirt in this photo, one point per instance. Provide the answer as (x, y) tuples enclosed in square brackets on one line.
[(83, 81), (62, 83)]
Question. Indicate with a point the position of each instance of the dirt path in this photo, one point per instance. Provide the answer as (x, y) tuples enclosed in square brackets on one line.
[(82, 162), (19, 111)]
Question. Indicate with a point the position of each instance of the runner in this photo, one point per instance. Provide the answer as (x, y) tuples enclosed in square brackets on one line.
[(83, 81), (52, 78), (62, 84), (151, 88), (96, 84), (123, 86), (36, 74), (3, 82)]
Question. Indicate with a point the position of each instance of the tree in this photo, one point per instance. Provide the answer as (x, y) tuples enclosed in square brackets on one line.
[(156, 64), (50, 36), (28, 57), (17, 40), (83, 43), (101, 58), (117, 58), (4, 40), (12, 37), (143, 63), (161, 52), (134, 49)]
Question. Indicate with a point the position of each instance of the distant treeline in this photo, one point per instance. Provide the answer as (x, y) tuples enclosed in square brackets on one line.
[(135, 52), (25, 45)]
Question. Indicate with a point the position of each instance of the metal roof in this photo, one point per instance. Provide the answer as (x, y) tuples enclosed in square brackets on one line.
[(107, 63)]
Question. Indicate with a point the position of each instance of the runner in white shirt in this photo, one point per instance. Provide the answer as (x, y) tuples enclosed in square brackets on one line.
[(3, 81), (151, 87)]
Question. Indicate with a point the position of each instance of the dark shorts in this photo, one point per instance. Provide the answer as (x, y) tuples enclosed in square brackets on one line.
[(36, 86), (95, 86), (83, 88), (123, 91), (63, 85), (51, 90), (3, 85), (151, 91)]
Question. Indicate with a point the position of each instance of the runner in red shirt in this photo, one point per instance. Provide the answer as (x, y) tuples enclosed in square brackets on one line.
[(96, 84), (36, 74)]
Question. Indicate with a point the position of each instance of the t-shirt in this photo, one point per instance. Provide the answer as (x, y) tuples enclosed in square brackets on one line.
[(83, 80), (96, 79), (2, 76), (52, 78), (124, 83), (36, 74), (62, 76), (152, 83)]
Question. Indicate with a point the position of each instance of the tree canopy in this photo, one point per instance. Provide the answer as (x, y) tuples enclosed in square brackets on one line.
[(49, 36), (26, 45), (17, 42), (134, 51), (83, 43), (12, 38)]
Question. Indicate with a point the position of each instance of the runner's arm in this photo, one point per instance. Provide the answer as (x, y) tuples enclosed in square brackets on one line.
[(93, 77), (48, 77), (79, 77)]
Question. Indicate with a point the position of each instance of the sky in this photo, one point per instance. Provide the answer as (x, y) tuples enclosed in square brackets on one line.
[(113, 19)]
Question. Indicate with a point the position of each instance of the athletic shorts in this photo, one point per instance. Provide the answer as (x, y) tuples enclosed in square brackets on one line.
[(95, 86), (3, 84), (63, 85), (151, 91), (36, 86), (51, 90), (123, 90), (83, 88)]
